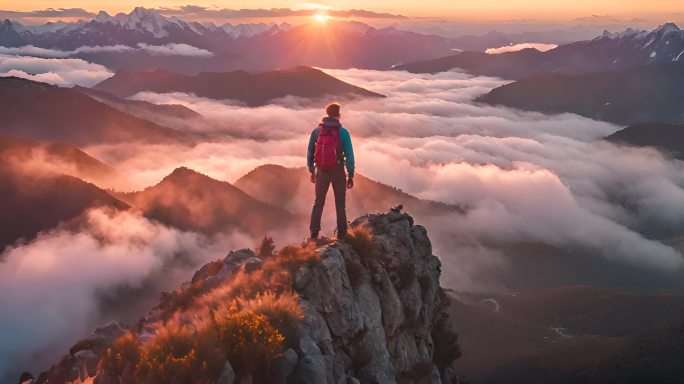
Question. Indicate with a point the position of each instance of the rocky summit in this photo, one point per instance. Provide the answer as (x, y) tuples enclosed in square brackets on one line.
[(368, 309)]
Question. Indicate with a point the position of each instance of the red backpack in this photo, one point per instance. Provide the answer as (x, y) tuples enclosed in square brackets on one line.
[(326, 154)]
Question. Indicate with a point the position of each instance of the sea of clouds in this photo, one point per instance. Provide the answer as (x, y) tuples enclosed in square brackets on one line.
[(524, 176), (65, 68)]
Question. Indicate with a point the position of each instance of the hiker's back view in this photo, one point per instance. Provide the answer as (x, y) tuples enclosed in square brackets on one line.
[(330, 149)]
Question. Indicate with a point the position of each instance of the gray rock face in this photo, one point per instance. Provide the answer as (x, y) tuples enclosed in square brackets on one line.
[(370, 313)]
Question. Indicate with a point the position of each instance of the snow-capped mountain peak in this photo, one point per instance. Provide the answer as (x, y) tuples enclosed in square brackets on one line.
[(250, 30), (627, 33), (139, 18), (631, 33), (638, 47)]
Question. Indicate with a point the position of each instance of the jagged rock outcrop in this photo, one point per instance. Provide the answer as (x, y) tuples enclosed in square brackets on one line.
[(370, 311), (369, 306)]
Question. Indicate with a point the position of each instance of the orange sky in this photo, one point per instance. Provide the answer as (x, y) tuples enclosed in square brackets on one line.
[(464, 9)]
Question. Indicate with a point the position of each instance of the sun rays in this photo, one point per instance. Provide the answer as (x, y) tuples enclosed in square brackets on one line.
[(321, 18)]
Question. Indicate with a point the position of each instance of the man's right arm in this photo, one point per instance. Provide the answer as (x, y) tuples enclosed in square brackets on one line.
[(310, 151)]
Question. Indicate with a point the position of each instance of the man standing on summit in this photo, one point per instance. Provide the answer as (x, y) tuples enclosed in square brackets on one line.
[(330, 150)]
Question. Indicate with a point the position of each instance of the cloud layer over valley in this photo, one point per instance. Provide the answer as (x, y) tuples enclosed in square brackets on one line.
[(57, 71), (65, 68), (524, 177)]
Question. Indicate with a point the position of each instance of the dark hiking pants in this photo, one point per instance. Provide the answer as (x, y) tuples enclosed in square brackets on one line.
[(338, 179)]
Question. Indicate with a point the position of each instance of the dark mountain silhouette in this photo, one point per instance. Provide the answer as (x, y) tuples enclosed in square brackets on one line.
[(291, 187), (611, 51), (139, 108), (636, 95), (664, 136), (533, 266), (253, 89), (192, 201), (510, 65), (143, 60), (39, 157), (570, 334), (31, 204), (46, 112)]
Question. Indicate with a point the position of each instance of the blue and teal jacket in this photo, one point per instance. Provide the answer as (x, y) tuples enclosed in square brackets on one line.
[(347, 156)]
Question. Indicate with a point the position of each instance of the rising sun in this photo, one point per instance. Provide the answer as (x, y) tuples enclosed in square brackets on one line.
[(321, 18)]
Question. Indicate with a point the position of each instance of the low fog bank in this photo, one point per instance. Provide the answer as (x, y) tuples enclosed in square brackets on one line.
[(69, 281), (56, 71)]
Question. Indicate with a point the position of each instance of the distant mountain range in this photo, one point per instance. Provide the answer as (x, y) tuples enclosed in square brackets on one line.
[(253, 89), (611, 51), (257, 46), (139, 26), (630, 77), (46, 112), (336, 44), (628, 96)]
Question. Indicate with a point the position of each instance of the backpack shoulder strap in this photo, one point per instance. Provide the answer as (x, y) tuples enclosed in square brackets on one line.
[(317, 131)]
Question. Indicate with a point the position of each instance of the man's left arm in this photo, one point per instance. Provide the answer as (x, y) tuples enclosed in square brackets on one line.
[(311, 148)]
